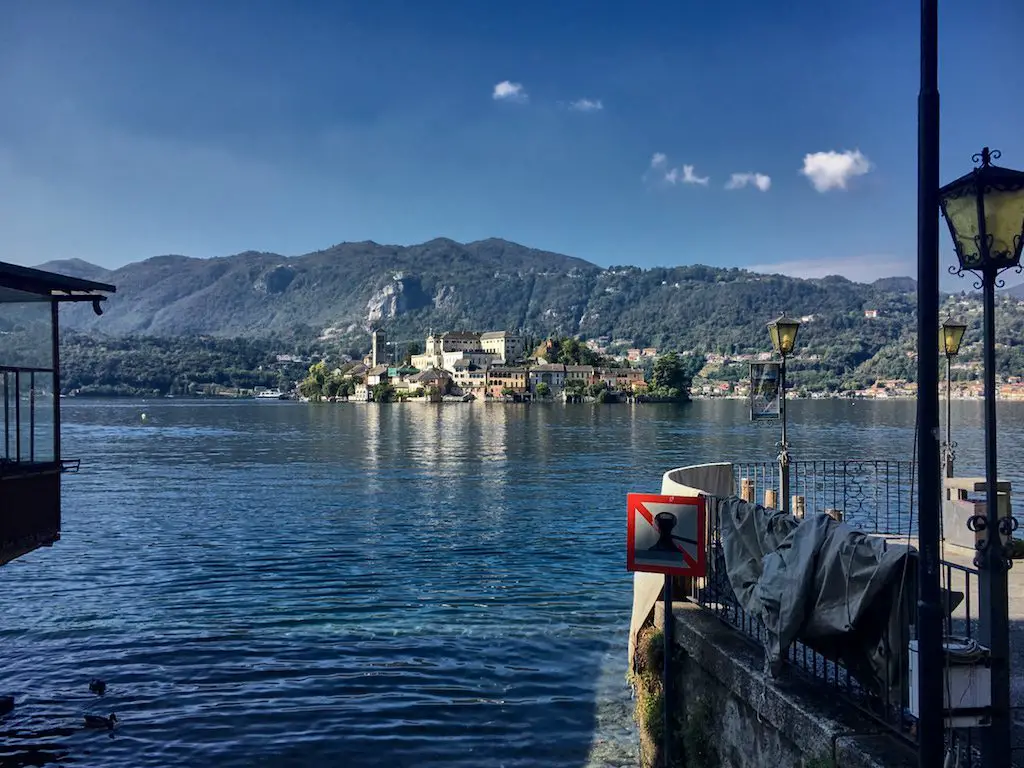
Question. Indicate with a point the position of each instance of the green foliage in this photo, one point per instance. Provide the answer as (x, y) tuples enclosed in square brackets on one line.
[(232, 314), (321, 382), (152, 366), (572, 351), (543, 390), (383, 392)]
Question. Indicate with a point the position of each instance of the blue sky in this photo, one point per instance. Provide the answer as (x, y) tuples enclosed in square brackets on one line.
[(605, 130)]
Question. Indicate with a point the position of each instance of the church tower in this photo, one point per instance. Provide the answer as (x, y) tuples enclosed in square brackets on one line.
[(378, 352)]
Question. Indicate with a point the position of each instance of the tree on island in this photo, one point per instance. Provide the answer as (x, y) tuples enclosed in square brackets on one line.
[(383, 392), (672, 376), (543, 390)]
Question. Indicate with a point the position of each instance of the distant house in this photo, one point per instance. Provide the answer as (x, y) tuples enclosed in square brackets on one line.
[(377, 375), (431, 377), (623, 378), (356, 371), (469, 379), (500, 379), (871, 314), (581, 373), (362, 393), (552, 374), (476, 357)]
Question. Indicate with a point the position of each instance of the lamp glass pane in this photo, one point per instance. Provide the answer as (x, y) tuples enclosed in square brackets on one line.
[(961, 212), (773, 331), (1004, 222), (952, 336)]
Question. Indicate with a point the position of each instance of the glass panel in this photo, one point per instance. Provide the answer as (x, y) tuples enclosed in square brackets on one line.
[(10, 426), (1004, 220), (25, 414), (44, 443), (25, 333), (962, 215)]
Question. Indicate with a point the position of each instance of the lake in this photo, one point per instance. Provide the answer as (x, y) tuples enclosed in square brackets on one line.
[(285, 584)]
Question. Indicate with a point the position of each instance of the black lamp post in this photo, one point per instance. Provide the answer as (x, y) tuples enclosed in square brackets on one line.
[(952, 336), (985, 213), (783, 332)]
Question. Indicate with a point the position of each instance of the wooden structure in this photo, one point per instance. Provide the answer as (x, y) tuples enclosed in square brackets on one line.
[(31, 463)]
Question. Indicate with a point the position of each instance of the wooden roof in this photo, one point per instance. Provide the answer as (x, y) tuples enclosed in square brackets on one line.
[(52, 285)]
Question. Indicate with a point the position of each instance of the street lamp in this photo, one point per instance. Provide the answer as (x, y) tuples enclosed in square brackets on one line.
[(783, 332), (952, 335), (985, 213)]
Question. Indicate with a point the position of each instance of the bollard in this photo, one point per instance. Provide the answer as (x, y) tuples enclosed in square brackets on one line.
[(771, 499), (747, 489), (835, 514), (798, 507)]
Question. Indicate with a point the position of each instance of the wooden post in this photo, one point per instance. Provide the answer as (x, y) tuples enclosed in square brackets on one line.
[(771, 499), (799, 508), (747, 489)]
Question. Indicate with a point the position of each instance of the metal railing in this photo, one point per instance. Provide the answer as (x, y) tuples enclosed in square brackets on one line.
[(846, 486), (874, 495), (28, 434)]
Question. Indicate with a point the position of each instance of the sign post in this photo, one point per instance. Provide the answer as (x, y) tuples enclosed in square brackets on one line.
[(765, 392), (666, 534)]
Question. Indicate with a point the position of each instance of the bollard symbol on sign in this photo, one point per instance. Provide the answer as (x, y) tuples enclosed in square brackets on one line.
[(665, 534)]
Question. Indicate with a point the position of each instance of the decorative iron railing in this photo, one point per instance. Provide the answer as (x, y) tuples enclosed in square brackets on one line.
[(874, 495), (848, 486)]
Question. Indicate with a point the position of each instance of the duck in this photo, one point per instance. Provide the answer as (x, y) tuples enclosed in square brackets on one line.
[(98, 687), (95, 721)]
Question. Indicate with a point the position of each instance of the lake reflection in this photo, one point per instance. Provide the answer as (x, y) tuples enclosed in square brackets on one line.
[(404, 585)]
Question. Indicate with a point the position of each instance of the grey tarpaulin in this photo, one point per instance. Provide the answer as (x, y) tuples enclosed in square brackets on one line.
[(825, 583)]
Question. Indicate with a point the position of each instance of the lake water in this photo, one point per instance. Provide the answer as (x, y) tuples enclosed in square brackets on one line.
[(280, 584)]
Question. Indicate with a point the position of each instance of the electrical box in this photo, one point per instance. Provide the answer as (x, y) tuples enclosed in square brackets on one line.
[(967, 689)]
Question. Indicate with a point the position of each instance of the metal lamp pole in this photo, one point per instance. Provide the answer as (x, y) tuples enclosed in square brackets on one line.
[(784, 445), (931, 740), (985, 213), (952, 335), (783, 334)]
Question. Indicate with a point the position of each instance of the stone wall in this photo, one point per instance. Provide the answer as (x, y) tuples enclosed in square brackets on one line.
[(752, 721)]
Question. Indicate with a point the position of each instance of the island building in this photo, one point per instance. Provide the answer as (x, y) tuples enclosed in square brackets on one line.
[(488, 365)]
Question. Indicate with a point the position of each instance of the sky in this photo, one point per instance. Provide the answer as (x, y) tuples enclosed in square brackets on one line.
[(777, 136)]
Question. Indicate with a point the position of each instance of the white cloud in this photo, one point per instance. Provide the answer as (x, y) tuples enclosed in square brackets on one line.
[(860, 268), (586, 105), (685, 175), (832, 170), (741, 180), (506, 90), (661, 171)]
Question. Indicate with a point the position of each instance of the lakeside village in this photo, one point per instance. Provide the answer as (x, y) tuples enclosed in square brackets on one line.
[(491, 366), (496, 366)]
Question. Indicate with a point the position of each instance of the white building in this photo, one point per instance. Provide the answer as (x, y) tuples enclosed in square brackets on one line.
[(476, 357), (552, 374), (507, 346)]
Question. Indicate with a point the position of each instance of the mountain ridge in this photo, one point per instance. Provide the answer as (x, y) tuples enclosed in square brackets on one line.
[(340, 292)]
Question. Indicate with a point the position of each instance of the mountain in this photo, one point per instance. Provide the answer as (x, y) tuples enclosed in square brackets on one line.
[(895, 284), (343, 291), (77, 268)]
